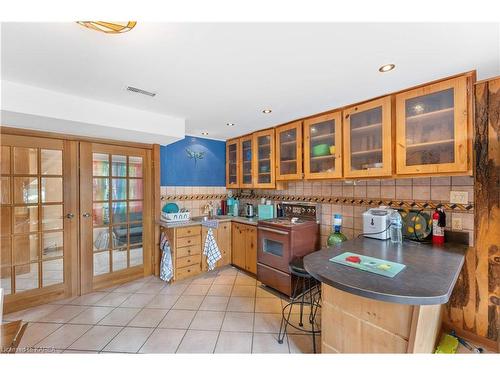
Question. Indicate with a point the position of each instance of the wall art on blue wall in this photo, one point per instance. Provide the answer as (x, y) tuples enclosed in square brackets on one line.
[(193, 161)]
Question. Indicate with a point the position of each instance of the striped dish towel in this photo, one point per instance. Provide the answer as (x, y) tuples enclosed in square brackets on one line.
[(166, 267), (211, 250)]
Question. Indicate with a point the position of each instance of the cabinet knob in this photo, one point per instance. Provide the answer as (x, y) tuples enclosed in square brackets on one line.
[(70, 216)]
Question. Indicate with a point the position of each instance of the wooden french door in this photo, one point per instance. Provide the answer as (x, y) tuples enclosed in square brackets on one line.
[(115, 214), (38, 196)]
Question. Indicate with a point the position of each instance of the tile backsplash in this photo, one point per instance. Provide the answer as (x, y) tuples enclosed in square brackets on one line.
[(195, 206), (434, 189)]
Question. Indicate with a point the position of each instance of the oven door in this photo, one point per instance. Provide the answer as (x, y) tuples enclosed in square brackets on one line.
[(274, 248)]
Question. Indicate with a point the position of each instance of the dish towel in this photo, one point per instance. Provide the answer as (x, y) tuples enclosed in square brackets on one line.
[(166, 268), (211, 250)]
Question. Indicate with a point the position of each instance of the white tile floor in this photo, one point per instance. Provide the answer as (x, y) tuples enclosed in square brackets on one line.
[(225, 311)]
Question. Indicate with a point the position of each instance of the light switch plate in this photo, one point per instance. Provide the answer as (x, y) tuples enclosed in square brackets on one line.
[(459, 197), (456, 223)]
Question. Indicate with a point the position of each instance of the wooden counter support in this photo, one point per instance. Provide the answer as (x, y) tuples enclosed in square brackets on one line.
[(354, 324)]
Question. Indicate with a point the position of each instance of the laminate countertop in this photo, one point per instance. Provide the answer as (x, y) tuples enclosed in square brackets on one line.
[(428, 279), (220, 218)]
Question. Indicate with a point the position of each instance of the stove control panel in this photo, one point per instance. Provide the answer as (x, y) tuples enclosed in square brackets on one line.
[(301, 211)]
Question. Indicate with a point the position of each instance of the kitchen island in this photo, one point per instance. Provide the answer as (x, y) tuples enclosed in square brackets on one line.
[(363, 312)]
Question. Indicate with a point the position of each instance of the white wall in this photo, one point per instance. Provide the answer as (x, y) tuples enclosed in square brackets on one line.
[(36, 108)]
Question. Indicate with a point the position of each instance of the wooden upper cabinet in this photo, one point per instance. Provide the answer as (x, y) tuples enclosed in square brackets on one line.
[(368, 139), (431, 128), (232, 163), (246, 161), (323, 146), (289, 151), (263, 159)]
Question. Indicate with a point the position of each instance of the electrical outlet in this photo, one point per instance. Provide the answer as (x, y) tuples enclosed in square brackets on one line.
[(459, 197), (456, 223)]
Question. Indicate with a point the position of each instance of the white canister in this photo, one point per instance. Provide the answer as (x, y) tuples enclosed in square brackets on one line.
[(262, 200), (268, 202)]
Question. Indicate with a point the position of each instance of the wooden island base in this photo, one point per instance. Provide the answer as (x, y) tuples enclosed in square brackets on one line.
[(354, 324)]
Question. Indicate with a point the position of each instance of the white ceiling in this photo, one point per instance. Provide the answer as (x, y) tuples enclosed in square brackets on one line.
[(211, 74)]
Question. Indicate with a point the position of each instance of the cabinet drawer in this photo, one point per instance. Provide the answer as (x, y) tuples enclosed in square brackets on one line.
[(188, 241), (188, 261), (188, 231), (182, 273), (188, 250)]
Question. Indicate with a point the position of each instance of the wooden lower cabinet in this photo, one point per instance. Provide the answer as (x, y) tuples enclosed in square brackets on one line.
[(185, 243), (244, 248), (222, 236), (353, 324)]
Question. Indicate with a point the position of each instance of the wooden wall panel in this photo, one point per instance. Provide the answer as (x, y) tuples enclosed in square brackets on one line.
[(475, 304)]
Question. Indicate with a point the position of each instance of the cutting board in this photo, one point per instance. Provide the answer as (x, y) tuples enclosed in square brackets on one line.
[(374, 265)]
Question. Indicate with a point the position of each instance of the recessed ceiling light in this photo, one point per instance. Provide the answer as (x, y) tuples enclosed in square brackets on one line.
[(386, 68), (204, 133), (266, 111), (230, 124)]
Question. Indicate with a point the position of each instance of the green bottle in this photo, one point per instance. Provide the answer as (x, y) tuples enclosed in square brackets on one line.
[(336, 236)]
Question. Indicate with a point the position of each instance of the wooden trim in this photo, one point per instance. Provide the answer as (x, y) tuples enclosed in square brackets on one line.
[(272, 157), (298, 175), (156, 208), (117, 278), (86, 256), (33, 297), (461, 138), (425, 328), (248, 138), (71, 226), (69, 137), (386, 169), (337, 173)]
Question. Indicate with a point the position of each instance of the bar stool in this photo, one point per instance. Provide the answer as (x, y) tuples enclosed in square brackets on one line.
[(306, 292)]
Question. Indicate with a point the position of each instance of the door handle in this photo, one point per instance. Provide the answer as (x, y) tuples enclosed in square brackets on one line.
[(70, 216), (86, 214)]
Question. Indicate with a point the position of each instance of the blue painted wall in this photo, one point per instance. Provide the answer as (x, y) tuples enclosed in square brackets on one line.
[(178, 169)]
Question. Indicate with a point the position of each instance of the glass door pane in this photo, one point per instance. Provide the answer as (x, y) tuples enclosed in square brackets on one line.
[(288, 152), (264, 162), (232, 160), (322, 146), (366, 139), (32, 237), (117, 212), (246, 161), (429, 124)]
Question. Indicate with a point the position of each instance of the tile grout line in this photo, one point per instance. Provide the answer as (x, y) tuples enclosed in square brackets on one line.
[(225, 313)]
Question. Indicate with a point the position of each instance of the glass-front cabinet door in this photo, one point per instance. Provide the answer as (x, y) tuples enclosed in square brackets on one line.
[(246, 170), (367, 139), (232, 163), (431, 128), (322, 146), (289, 151), (264, 165)]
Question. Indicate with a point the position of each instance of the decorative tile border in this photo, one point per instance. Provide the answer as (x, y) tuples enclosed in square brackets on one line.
[(374, 202), (192, 197)]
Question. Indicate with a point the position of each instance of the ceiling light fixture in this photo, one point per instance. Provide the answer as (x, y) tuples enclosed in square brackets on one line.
[(266, 111), (204, 133), (109, 27), (386, 68), (230, 124)]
